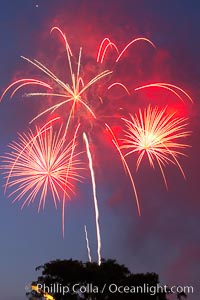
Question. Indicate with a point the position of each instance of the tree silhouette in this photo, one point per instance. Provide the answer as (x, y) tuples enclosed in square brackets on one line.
[(73, 280), (181, 295)]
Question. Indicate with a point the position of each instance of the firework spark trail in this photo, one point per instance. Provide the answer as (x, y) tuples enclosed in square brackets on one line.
[(68, 49), (87, 244), (106, 43), (121, 85), (94, 196), (133, 42), (69, 166), (125, 165), (24, 82), (103, 49), (155, 133), (176, 90), (39, 162)]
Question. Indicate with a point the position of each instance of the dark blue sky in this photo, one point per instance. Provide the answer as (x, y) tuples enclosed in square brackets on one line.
[(165, 239)]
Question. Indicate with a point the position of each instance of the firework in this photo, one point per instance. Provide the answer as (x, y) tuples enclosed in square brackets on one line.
[(125, 165), (106, 43), (74, 94), (80, 102), (87, 244), (94, 196), (174, 89), (156, 134), (39, 162)]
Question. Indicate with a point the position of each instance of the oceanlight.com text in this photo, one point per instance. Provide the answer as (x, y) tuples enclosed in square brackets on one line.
[(113, 288)]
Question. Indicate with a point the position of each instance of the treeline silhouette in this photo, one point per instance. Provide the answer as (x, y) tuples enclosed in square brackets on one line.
[(73, 280)]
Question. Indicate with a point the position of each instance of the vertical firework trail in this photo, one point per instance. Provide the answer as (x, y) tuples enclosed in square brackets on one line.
[(94, 196), (87, 244)]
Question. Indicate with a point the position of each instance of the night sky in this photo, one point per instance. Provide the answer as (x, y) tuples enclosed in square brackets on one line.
[(165, 239)]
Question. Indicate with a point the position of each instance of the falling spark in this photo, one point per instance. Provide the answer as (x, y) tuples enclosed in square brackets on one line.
[(105, 44), (156, 133), (87, 244), (133, 42), (125, 165), (94, 196), (176, 90), (23, 82), (121, 85)]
